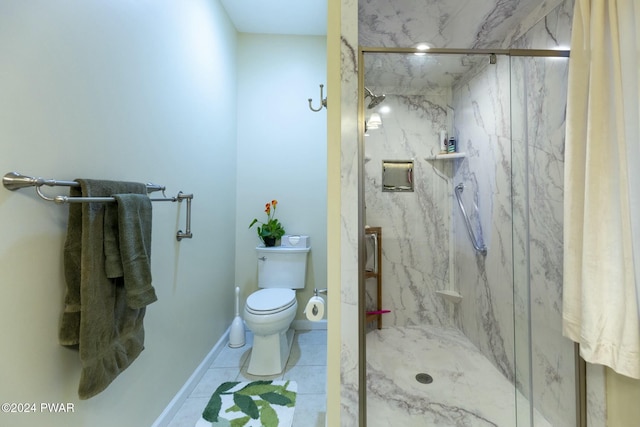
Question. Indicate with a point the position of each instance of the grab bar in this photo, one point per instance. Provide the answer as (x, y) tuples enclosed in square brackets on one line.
[(482, 249)]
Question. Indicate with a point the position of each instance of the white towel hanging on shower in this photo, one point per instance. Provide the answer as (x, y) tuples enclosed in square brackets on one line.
[(601, 294)]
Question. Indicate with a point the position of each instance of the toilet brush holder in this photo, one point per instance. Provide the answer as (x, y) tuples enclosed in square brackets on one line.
[(236, 333)]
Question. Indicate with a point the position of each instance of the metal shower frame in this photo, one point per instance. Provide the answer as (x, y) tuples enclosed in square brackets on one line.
[(492, 53)]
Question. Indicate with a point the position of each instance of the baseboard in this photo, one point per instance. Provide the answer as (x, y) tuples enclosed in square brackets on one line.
[(176, 403), (308, 325)]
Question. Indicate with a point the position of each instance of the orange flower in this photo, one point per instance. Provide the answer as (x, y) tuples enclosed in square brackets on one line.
[(271, 228)]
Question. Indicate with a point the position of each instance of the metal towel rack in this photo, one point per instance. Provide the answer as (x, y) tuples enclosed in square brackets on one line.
[(15, 181), (479, 248)]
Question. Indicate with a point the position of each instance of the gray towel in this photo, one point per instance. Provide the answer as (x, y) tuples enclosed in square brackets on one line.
[(134, 232), (109, 334)]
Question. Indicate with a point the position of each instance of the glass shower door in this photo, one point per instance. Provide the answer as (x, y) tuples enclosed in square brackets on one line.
[(445, 355), (470, 338), (545, 360)]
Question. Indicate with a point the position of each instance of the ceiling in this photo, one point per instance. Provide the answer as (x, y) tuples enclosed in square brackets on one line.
[(291, 17), (409, 74), (453, 23), (464, 24)]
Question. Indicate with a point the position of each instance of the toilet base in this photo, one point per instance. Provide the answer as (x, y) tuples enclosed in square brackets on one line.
[(270, 353)]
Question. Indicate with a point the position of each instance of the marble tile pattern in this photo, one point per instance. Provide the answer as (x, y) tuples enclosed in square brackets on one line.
[(482, 126), (470, 24), (467, 390), (476, 24), (414, 74), (307, 365), (415, 225)]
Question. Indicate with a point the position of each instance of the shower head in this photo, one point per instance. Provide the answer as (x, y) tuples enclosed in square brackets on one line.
[(375, 99)]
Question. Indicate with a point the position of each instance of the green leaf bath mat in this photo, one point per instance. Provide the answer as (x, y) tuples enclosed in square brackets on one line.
[(251, 404)]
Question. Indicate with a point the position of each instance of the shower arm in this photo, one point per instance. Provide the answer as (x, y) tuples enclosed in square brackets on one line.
[(368, 92), (479, 248)]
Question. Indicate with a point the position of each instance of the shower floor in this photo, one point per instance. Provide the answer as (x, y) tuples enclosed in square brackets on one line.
[(467, 390)]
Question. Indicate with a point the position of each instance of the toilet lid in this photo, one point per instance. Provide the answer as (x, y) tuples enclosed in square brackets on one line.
[(268, 301)]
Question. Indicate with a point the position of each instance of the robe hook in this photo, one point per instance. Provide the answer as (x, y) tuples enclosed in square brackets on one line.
[(323, 101)]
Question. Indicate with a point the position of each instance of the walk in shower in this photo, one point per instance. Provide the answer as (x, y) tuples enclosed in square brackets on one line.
[(471, 244)]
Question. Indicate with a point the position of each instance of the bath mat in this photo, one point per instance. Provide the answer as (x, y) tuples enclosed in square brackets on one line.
[(251, 404)]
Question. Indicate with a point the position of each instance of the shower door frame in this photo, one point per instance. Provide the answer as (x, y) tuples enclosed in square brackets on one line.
[(580, 364)]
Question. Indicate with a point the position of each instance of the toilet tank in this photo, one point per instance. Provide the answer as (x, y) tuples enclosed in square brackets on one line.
[(282, 267)]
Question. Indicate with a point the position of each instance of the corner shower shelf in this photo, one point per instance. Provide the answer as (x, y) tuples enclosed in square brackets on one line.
[(451, 296), (447, 156)]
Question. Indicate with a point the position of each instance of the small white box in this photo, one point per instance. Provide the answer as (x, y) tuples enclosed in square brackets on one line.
[(295, 241)]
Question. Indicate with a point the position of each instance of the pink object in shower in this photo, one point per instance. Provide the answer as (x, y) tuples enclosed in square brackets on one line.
[(378, 312)]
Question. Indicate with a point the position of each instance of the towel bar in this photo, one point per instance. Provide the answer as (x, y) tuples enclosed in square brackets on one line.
[(187, 234), (14, 181)]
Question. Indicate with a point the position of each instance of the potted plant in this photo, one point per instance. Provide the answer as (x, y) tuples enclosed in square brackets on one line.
[(271, 230)]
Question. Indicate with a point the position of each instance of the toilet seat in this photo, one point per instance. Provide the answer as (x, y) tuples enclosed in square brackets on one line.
[(270, 301)]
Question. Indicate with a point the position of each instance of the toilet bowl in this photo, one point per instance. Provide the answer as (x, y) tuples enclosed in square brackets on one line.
[(268, 314), (269, 311)]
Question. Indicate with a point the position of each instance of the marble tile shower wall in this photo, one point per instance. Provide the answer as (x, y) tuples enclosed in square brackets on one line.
[(473, 24), (482, 125), (415, 225)]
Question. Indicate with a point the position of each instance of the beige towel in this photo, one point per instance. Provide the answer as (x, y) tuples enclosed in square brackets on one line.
[(601, 277)]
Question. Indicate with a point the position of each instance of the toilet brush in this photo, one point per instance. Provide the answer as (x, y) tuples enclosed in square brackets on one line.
[(236, 334)]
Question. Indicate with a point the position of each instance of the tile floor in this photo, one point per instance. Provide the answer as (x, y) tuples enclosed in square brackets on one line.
[(467, 390), (307, 365)]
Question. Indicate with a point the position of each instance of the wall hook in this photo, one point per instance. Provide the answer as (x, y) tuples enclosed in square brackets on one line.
[(323, 101)]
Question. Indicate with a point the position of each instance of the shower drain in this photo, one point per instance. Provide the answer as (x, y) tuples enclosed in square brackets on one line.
[(424, 378)]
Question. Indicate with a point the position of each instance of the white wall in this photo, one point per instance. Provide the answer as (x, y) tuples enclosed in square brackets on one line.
[(282, 149), (141, 91)]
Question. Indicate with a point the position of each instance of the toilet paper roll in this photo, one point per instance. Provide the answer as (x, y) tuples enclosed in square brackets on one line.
[(315, 309)]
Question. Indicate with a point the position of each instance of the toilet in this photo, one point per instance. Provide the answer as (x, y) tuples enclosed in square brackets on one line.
[(269, 312)]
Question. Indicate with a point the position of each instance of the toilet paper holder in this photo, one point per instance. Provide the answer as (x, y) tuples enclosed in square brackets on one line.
[(315, 307), (316, 291)]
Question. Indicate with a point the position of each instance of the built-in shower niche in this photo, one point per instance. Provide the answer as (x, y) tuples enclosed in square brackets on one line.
[(397, 175)]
